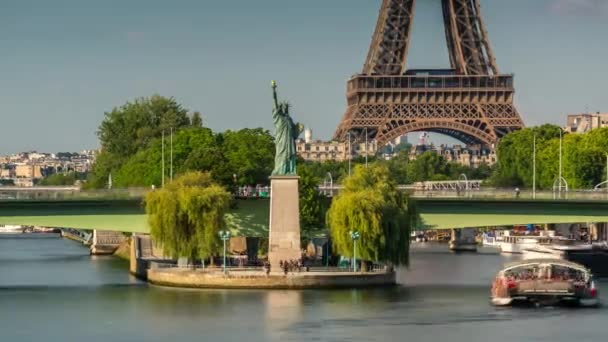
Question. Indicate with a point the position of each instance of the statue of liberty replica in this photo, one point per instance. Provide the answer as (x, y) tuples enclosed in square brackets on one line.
[(286, 133), (284, 227)]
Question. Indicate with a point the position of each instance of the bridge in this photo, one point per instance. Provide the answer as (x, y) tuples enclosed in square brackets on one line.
[(123, 210)]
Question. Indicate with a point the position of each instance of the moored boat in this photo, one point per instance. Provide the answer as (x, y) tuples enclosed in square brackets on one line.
[(10, 229), (593, 256), (512, 243), (544, 282)]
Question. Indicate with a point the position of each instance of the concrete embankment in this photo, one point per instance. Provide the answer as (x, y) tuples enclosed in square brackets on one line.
[(146, 264), (124, 250), (176, 277)]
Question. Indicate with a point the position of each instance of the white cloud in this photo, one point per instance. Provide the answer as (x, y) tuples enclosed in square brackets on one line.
[(579, 7)]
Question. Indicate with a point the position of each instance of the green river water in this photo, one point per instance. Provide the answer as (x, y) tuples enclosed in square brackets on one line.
[(52, 290)]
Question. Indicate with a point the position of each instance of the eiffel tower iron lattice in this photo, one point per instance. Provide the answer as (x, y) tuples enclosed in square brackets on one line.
[(471, 102)]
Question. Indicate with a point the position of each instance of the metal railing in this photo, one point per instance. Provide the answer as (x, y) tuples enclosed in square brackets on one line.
[(69, 193), (444, 189), (476, 192), (383, 82), (252, 192)]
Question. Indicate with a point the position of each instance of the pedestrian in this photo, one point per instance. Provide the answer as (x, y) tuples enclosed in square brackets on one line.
[(516, 192)]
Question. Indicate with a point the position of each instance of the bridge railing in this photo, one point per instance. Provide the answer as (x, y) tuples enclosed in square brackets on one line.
[(574, 195), (452, 189), (476, 192), (68, 193)]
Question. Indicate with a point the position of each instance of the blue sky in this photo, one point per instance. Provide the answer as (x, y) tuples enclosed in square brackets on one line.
[(65, 62)]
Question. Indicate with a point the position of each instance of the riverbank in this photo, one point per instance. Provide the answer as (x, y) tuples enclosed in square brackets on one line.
[(257, 279)]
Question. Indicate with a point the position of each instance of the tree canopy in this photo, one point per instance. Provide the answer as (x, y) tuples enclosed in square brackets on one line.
[(57, 179), (370, 204), (187, 214), (313, 204), (132, 128), (249, 154), (583, 158), (130, 136)]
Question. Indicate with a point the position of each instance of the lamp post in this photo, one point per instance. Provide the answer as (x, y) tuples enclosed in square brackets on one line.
[(162, 182), (466, 183), (534, 169), (224, 235), (560, 163), (560, 183), (171, 155), (328, 189), (354, 235)]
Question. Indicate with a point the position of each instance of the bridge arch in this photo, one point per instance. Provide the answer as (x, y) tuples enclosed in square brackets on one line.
[(470, 131)]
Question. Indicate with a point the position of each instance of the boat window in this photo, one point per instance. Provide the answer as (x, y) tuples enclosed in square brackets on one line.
[(526, 272), (559, 272)]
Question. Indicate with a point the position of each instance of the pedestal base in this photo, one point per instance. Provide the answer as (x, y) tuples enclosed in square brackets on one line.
[(284, 235)]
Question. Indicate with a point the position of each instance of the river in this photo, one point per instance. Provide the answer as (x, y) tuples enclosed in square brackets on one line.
[(52, 290)]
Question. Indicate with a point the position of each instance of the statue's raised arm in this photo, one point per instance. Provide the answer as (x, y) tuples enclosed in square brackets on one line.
[(274, 94)]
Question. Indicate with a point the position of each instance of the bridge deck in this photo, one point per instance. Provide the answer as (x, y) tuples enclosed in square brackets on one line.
[(249, 217)]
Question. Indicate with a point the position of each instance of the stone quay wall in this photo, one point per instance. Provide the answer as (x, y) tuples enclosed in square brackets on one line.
[(179, 277)]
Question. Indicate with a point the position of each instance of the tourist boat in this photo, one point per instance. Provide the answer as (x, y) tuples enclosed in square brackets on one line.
[(593, 256), (9, 229), (508, 242), (544, 282), (493, 238)]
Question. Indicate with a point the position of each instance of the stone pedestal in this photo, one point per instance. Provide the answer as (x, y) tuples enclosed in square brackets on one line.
[(284, 231)]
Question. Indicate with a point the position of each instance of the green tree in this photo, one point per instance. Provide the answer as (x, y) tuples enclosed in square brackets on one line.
[(371, 204), (514, 167), (398, 167), (131, 128), (249, 154), (105, 164), (197, 119), (186, 216), (320, 170), (57, 179), (313, 205), (428, 166), (194, 149)]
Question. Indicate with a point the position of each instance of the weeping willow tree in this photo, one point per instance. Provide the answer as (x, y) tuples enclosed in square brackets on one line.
[(371, 204), (187, 214)]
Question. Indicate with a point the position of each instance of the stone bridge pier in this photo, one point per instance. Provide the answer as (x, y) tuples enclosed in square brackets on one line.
[(106, 242), (463, 240)]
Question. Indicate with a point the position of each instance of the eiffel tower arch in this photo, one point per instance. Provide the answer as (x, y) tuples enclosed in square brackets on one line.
[(472, 101)]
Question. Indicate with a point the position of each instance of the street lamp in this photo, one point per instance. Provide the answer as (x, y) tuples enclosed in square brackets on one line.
[(560, 183), (534, 168), (328, 180), (354, 235), (224, 235), (464, 178)]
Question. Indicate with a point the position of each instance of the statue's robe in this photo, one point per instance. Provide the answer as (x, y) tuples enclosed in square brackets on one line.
[(286, 133)]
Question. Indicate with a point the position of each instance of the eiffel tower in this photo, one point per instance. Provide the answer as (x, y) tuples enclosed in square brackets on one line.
[(472, 101)]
